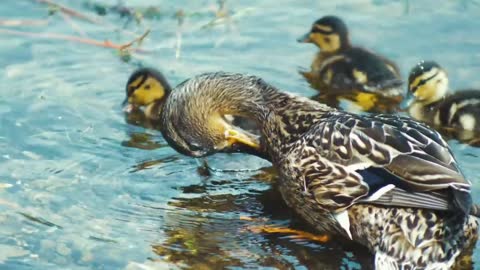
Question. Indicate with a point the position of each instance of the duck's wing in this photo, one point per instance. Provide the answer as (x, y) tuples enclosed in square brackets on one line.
[(360, 70), (382, 159)]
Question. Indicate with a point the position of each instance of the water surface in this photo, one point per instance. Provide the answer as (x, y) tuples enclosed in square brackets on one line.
[(82, 189)]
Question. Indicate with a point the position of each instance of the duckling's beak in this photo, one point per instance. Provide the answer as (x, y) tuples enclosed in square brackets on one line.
[(305, 38), (407, 101), (127, 107)]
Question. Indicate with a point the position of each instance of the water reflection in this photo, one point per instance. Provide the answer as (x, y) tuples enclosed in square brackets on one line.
[(137, 117), (143, 141), (212, 231)]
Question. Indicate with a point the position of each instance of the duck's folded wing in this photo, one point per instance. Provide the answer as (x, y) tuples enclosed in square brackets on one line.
[(396, 152), (330, 184)]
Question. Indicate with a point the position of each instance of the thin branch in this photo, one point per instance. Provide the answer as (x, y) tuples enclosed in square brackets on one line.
[(70, 11), (105, 44), (138, 40)]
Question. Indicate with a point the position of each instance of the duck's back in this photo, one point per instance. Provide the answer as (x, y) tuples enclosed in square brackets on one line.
[(361, 70), (461, 109), (381, 72)]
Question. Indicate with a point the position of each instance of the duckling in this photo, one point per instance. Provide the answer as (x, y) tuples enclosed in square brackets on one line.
[(146, 91), (428, 99), (387, 182), (341, 68)]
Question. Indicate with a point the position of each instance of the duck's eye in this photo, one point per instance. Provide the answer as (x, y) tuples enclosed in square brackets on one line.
[(147, 87), (326, 39), (439, 80)]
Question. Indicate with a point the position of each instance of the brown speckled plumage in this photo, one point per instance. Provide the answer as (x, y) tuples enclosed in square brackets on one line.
[(396, 179)]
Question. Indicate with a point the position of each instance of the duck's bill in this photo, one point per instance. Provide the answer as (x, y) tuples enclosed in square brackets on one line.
[(242, 141), (237, 136), (407, 101), (305, 38)]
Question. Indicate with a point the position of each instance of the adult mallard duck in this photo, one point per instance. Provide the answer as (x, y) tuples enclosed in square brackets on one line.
[(342, 69), (387, 182), (428, 99)]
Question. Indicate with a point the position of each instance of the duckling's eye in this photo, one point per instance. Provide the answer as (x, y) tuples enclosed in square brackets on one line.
[(147, 87), (327, 39), (439, 80)]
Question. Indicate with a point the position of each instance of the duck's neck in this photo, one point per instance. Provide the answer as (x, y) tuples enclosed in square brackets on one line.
[(282, 118), (289, 118)]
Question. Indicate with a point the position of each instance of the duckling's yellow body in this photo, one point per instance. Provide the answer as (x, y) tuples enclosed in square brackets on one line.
[(431, 103), (384, 181), (348, 71)]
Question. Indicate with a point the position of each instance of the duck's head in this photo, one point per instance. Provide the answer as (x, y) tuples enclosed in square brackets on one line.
[(427, 83), (145, 87), (329, 33), (197, 117)]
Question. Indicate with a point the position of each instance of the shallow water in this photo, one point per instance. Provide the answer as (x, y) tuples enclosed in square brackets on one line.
[(82, 189)]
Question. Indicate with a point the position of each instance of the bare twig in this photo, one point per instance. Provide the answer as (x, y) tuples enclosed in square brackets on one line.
[(138, 40), (70, 11), (105, 44), (14, 22)]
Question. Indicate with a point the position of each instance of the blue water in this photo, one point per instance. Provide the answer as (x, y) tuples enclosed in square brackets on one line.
[(82, 189)]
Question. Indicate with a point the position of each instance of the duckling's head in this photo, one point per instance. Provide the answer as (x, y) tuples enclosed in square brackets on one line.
[(427, 82), (329, 33), (146, 86)]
